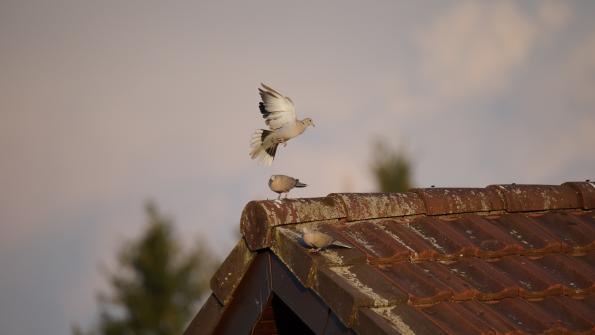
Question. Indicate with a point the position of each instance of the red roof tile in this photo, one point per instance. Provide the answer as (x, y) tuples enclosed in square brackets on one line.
[(503, 259), (440, 201)]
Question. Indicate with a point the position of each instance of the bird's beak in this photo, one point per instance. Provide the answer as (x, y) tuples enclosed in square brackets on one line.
[(313, 125)]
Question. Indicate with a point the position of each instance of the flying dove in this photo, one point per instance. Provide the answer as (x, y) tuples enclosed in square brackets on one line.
[(279, 114), (319, 241), (283, 184)]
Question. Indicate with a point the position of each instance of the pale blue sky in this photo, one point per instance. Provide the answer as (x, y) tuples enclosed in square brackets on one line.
[(104, 104)]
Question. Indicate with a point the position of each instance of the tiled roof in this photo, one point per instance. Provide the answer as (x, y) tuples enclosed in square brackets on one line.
[(501, 259)]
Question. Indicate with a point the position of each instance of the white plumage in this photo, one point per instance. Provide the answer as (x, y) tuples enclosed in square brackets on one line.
[(279, 114)]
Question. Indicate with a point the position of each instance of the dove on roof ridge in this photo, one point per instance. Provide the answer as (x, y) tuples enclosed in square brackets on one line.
[(279, 114)]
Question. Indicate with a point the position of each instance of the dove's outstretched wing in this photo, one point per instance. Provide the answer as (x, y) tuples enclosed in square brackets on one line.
[(277, 109)]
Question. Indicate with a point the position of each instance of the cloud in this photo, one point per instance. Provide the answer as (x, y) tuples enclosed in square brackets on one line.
[(474, 48), (581, 71), (559, 103), (553, 14), (496, 81)]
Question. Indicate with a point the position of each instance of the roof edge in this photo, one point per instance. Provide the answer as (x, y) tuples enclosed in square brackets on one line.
[(230, 273)]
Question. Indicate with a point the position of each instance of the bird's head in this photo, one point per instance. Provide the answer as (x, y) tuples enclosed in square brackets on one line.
[(308, 122)]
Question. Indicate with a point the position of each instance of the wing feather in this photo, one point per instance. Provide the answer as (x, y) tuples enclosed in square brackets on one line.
[(277, 109)]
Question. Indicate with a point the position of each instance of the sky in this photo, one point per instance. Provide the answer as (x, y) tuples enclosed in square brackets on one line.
[(105, 104)]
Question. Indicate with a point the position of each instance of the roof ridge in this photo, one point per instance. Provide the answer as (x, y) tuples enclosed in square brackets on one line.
[(260, 217)]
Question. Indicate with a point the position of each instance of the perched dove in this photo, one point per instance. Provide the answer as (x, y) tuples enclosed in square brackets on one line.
[(283, 184), (319, 241), (279, 114)]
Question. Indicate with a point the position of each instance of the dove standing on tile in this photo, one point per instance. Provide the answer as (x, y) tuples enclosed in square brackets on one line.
[(283, 184), (319, 241), (279, 114)]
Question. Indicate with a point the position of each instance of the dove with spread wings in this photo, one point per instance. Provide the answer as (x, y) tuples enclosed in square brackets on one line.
[(279, 114)]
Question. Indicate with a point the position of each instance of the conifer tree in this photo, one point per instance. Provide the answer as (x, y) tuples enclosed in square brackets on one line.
[(392, 169), (157, 286)]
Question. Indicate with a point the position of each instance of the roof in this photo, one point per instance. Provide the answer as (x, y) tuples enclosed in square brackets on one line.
[(499, 259)]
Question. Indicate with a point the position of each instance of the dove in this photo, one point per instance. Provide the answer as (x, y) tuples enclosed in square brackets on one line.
[(283, 184), (319, 241), (279, 114)]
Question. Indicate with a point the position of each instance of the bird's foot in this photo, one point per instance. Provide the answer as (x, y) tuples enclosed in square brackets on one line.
[(314, 251)]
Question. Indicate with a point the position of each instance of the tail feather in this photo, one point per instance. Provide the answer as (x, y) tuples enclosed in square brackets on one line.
[(341, 244), (264, 134), (262, 148), (272, 150), (300, 184)]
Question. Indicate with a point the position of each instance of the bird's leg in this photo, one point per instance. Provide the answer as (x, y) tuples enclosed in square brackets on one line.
[(279, 196), (286, 194)]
